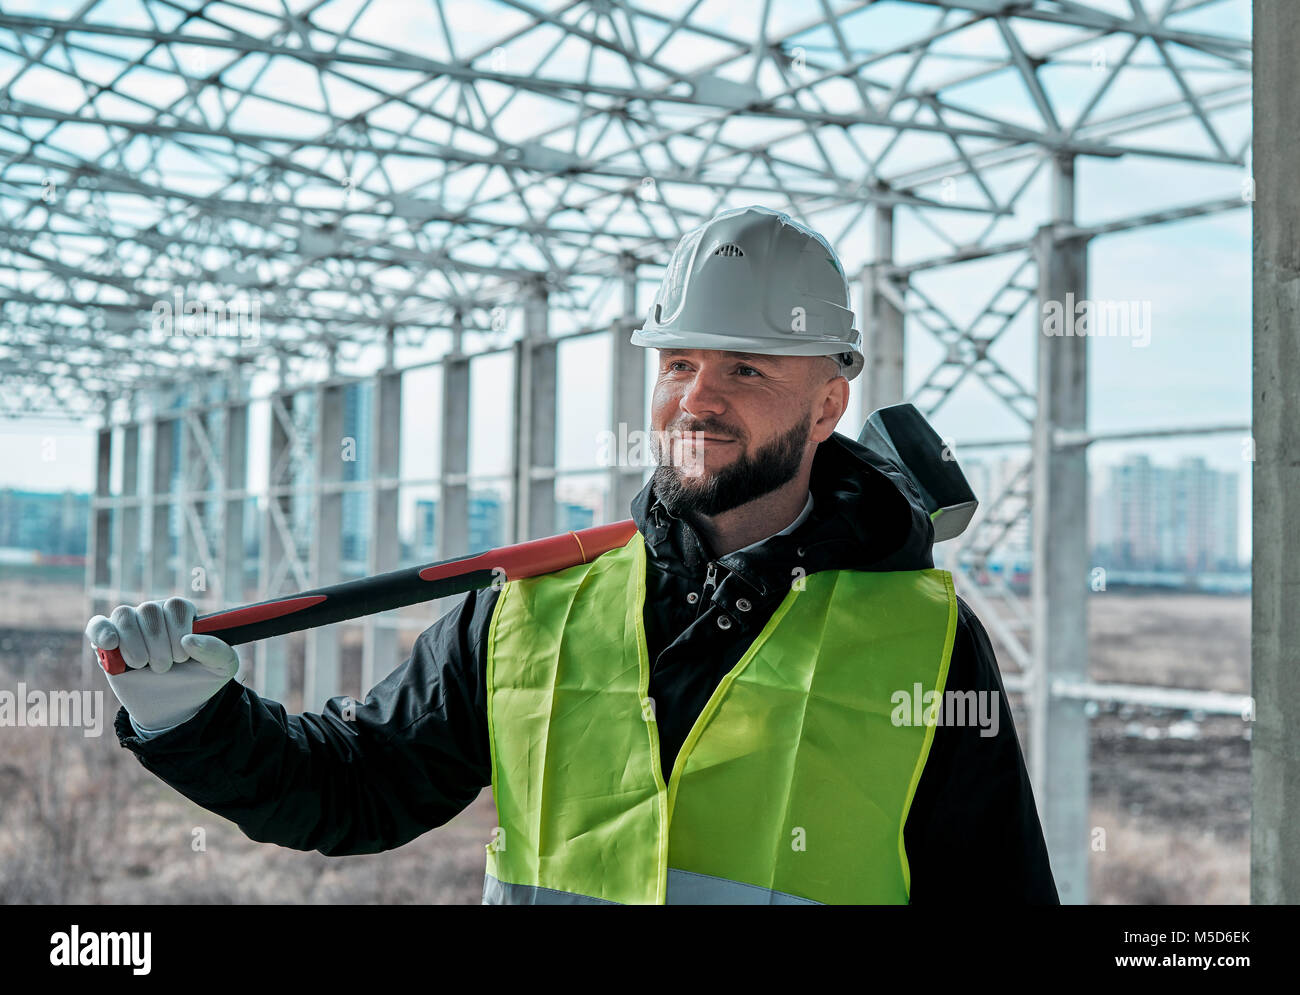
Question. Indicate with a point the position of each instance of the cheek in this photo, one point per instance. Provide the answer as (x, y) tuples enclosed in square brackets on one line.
[(663, 405), (758, 418)]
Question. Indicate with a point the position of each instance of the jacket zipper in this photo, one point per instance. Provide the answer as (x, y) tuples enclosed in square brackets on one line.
[(711, 578)]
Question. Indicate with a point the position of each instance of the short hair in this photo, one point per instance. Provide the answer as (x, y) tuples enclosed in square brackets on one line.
[(832, 367)]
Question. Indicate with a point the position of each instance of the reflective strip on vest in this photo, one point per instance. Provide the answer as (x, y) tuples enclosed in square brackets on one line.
[(684, 888), (503, 893), (793, 785)]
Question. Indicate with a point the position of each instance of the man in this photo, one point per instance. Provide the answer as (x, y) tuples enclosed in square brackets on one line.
[(721, 711)]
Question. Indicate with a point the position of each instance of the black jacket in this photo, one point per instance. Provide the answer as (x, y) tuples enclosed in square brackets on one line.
[(416, 753)]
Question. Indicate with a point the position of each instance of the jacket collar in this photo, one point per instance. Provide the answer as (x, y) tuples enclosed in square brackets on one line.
[(867, 515)]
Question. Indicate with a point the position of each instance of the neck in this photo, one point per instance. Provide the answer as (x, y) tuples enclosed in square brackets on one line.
[(757, 519)]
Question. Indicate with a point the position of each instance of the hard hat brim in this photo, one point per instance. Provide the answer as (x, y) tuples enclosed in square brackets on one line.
[(760, 346)]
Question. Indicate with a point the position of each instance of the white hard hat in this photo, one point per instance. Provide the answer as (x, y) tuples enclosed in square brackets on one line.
[(755, 280)]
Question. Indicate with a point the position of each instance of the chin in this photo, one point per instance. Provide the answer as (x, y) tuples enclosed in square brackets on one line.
[(701, 468), (700, 479)]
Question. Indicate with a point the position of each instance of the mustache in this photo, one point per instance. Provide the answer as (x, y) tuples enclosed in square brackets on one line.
[(706, 429)]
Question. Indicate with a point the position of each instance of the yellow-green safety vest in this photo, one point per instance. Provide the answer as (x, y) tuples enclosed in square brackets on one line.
[(792, 787)]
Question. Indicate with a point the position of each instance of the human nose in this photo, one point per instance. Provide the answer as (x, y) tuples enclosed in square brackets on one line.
[(704, 396)]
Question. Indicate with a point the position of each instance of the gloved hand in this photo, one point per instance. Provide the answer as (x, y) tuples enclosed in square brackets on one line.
[(171, 672)]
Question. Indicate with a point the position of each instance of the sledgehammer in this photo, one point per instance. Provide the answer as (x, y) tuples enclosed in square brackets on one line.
[(898, 432)]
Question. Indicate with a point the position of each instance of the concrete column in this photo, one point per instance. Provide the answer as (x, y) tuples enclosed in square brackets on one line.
[(159, 578), (379, 653), (452, 523), (1058, 741), (235, 470), (100, 573), (126, 559), (535, 404), (881, 323), (1275, 472), (98, 538), (322, 679), (208, 475), (190, 455), (270, 656), (627, 397)]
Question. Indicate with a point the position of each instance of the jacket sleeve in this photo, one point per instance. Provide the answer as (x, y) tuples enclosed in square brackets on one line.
[(972, 833), (347, 780)]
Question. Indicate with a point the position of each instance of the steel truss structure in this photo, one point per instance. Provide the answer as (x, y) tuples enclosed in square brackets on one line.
[(378, 186)]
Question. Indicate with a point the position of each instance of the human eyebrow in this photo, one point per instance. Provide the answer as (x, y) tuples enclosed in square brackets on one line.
[(755, 357), (738, 357), (766, 362)]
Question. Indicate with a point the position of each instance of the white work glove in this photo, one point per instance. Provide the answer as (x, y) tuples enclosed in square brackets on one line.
[(171, 671)]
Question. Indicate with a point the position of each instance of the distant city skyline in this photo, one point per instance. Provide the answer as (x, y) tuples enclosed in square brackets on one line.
[(1144, 513)]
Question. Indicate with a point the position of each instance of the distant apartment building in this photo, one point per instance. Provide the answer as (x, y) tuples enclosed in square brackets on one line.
[(1169, 518), (575, 517), (425, 546), (486, 524), (1143, 517), (50, 524), (486, 521)]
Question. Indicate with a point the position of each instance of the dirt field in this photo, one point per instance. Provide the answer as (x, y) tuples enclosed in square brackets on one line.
[(1172, 795)]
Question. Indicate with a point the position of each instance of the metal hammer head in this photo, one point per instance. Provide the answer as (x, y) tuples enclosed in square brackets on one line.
[(900, 433)]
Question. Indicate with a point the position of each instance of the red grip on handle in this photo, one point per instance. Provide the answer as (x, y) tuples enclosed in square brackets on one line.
[(111, 661)]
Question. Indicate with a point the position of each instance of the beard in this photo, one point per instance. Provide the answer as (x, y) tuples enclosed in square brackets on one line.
[(745, 478)]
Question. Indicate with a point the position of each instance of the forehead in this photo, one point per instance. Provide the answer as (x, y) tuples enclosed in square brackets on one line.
[(723, 355)]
